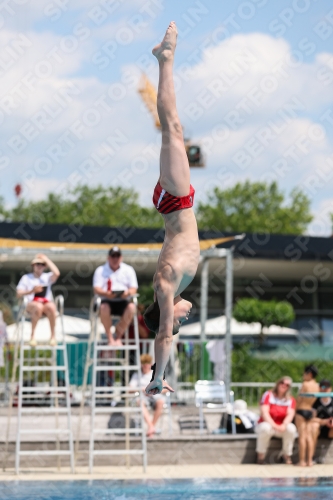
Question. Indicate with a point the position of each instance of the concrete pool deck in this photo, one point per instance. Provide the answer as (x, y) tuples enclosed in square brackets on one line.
[(217, 471), (187, 448)]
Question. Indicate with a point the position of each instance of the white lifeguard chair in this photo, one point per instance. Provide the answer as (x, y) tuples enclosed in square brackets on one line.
[(111, 394), (55, 399)]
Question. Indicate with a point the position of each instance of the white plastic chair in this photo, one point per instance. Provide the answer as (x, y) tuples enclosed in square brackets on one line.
[(211, 397)]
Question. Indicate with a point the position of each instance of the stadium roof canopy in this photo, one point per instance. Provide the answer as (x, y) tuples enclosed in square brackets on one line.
[(275, 256)]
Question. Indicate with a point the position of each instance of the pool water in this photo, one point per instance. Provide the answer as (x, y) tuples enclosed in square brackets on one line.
[(164, 489)]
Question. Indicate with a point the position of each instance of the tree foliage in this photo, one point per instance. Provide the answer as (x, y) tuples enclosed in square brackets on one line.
[(255, 207), (246, 207), (3, 212), (91, 206), (247, 368), (146, 294), (265, 312)]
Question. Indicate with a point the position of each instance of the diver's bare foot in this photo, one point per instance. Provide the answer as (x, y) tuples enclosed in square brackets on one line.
[(165, 50), (301, 464)]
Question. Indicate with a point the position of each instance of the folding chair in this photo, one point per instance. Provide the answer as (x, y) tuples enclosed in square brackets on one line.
[(211, 397)]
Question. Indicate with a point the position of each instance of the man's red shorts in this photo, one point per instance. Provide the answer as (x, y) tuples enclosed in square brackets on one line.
[(166, 203), (42, 300)]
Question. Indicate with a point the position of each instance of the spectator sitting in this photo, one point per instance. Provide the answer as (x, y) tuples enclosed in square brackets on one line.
[(36, 286), (322, 423), (115, 282), (276, 414), (144, 332), (304, 414), (156, 401)]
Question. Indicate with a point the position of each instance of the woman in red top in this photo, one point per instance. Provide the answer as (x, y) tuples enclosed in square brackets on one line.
[(277, 411)]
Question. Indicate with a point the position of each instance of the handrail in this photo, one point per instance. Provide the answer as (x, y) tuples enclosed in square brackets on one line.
[(22, 303), (94, 307), (262, 384), (59, 303)]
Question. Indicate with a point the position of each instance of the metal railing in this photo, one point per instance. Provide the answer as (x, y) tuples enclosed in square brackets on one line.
[(252, 392), (187, 360)]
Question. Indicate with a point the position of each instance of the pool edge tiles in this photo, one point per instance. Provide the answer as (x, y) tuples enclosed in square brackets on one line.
[(217, 471)]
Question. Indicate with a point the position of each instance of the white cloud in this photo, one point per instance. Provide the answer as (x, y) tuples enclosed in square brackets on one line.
[(23, 14), (258, 111), (124, 32), (41, 188), (255, 75), (322, 224), (254, 109)]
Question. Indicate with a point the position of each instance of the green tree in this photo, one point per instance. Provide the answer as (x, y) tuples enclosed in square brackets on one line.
[(146, 294), (3, 211), (255, 207), (265, 312), (91, 206)]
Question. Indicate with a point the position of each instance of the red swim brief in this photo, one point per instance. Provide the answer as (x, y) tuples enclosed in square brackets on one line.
[(166, 203), (42, 300)]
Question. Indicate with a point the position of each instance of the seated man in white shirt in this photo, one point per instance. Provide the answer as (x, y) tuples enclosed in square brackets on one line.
[(36, 286), (115, 282), (156, 401)]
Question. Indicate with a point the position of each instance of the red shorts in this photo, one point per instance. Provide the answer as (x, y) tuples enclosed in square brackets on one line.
[(42, 300), (166, 203)]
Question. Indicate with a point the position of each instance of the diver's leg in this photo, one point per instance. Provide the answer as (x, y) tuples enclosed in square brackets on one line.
[(174, 167)]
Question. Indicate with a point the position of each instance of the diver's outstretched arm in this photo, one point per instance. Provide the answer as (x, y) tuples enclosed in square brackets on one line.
[(163, 342)]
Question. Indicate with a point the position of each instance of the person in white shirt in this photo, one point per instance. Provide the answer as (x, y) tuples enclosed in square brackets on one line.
[(36, 286), (156, 402), (115, 282)]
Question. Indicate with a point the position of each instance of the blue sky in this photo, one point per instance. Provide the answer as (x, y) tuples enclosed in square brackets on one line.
[(254, 84)]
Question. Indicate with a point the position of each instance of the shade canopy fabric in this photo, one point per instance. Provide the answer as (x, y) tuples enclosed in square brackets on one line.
[(72, 326), (218, 325)]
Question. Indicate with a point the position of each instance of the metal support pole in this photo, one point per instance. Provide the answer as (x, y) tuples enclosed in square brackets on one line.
[(95, 305), (203, 310), (127, 415), (228, 316), (173, 375), (233, 423)]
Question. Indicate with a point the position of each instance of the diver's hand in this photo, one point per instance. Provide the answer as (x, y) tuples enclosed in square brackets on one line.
[(157, 386)]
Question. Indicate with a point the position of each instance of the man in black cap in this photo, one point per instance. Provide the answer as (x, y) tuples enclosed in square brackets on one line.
[(115, 282)]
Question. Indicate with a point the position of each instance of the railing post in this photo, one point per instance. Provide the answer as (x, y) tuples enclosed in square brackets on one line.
[(228, 316), (203, 310), (233, 423)]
